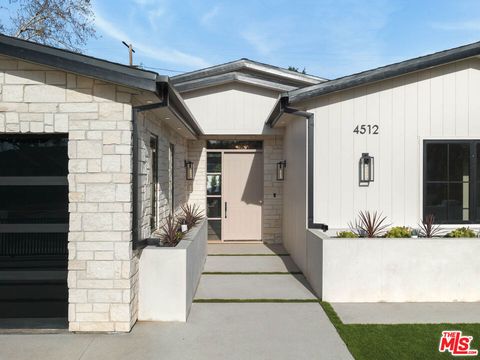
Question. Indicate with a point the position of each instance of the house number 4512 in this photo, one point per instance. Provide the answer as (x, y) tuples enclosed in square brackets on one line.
[(366, 129)]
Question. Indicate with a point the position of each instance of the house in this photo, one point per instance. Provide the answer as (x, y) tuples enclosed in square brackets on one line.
[(94, 156)]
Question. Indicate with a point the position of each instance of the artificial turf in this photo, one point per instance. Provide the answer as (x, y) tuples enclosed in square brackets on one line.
[(399, 342)]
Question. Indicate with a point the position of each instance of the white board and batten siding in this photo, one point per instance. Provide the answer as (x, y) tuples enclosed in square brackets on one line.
[(438, 103), (232, 109)]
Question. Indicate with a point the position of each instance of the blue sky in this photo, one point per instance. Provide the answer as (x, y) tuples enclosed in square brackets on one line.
[(330, 38)]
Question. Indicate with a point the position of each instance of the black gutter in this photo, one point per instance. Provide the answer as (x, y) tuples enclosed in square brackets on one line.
[(282, 108)]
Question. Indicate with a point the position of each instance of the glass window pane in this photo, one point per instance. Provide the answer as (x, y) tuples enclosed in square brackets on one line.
[(214, 162), (33, 156), (214, 229), (235, 144), (436, 201), (33, 204), (437, 162), (458, 202), (458, 162), (214, 184), (214, 209)]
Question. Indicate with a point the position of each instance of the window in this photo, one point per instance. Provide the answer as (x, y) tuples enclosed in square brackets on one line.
[(154, 181), (214, 195), (235, 144), (451, 188), (171, 171)]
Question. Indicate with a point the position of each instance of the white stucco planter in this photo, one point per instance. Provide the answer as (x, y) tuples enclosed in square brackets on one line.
[(169, 277), (393, 270)]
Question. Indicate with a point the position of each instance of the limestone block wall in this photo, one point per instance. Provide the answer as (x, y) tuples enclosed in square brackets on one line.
[(149, 124), (197, 188), (272, 190), (97, 118)]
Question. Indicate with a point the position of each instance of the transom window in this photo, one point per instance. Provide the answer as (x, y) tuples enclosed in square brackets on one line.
[(451, 187)]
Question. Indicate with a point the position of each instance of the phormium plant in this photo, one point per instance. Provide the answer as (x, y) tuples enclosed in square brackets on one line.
[(428, 228), (190, 215), (169, 234), (369, 224)]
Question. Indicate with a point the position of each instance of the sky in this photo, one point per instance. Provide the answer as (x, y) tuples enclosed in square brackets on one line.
[(329, 38)]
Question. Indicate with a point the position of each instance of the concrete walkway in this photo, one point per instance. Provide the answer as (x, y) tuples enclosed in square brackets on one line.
[(215, 330), (408, 313)]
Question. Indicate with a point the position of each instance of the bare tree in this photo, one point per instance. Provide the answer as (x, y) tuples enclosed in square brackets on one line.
[(62, 23)]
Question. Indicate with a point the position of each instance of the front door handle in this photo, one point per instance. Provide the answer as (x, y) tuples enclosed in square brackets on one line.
[(225, 209)]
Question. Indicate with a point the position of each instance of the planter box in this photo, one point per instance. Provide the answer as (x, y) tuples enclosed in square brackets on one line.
[(169, 276), (394, 270)]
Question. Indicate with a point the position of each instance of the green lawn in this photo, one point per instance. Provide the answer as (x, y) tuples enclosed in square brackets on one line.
[(406, 341)]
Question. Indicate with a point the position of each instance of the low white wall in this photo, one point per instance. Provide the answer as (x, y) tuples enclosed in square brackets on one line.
[(169, 277), (398, 270), (314, 259)]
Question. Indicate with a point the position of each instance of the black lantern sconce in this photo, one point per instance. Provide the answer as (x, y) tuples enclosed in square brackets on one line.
[(281, 165), (189, 170), (366, 170)]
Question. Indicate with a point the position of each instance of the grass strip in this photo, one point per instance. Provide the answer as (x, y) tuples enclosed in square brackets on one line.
[(255, 300), (252, 273), (248, 254), (397, 341)]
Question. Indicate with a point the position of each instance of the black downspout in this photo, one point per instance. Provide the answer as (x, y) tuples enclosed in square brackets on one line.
[(137, 243), (310, 165)]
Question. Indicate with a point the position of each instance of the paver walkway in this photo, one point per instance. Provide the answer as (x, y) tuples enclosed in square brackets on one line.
[(238, 330)]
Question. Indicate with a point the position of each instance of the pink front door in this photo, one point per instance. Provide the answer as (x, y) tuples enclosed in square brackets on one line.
[(243, 196)]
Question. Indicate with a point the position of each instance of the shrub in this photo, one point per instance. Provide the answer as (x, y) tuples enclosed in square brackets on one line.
[(346, 234), (462, 232), (428, 228), (190, 215), (399, 232), (369, 224), (169, 234)]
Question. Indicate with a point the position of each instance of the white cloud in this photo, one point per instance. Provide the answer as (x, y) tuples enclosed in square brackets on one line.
[(163, 54), (262, 42), (209, 15)]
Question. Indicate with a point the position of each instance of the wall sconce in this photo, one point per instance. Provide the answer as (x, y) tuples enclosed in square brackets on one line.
[(188, 170), (366, 170), (281, 165)]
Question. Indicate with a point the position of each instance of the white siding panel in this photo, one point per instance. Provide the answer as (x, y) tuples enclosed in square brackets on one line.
[(435, 103), (232, 109)]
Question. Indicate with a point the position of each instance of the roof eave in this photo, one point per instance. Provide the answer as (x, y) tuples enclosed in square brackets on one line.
[(384, 73), (78, 64)]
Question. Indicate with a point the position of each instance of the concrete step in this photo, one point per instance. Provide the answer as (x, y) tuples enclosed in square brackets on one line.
[(236, 249), (250, 264), (254, 287)]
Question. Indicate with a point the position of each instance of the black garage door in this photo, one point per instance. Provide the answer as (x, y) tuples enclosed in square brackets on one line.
[(33, 226)]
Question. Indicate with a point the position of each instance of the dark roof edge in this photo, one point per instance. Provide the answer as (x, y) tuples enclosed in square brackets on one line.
[(178, 106), (384, 72), (277, 111), (248, 64), (77, 63), (215, 80)]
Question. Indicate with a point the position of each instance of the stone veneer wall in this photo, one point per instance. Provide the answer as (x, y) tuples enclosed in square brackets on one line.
[(149, 125), (272, 205), (197, 188), (97, 118)]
